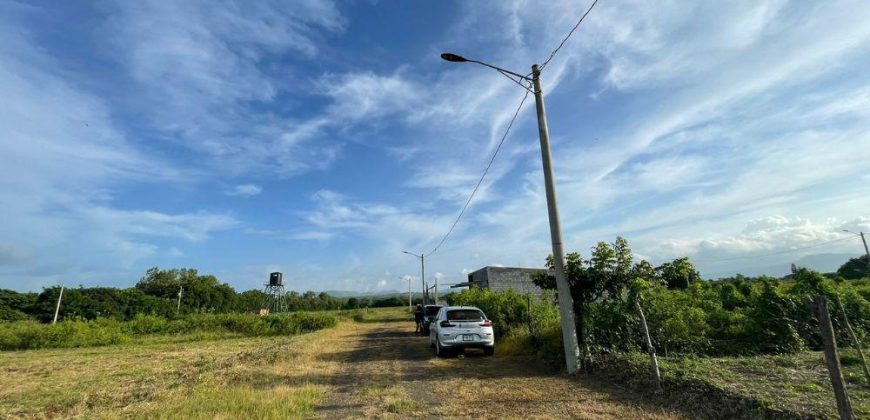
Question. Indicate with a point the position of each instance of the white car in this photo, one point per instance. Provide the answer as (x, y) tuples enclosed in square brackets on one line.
[(461, 327)]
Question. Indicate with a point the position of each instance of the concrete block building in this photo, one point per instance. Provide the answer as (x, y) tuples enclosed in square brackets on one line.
[(503, 278)]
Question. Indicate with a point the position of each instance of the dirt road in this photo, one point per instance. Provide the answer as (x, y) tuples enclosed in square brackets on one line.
[(385, 370)]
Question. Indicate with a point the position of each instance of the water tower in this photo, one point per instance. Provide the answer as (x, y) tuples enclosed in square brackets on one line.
[(277, 296)]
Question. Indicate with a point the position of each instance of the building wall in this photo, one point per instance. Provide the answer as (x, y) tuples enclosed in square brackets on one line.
[(504, 278)]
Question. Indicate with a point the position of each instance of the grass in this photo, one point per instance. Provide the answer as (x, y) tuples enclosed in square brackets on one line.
[(208, 374), (795, 385), (239, 402), (197, 375), (24, 335), (388, 398)]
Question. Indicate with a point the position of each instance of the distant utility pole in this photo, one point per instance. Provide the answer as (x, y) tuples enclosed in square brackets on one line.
[(410, 305), (422, 258), (566, 304), (435, 289), (178, 307), (57, 308), (863, 239)]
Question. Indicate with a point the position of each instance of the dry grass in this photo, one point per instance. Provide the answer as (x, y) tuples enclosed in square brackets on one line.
[(269, 377), (375, 367), (519, 387), (390, 372)]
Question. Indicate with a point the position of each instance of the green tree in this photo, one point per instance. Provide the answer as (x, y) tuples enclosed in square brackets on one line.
[(603, 277), (165, 283), (202, 293), (16, 306), (678, 274), (855, 268), (250, 300)]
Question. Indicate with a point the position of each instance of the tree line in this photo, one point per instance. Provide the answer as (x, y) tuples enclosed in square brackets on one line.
[(729, 316), (156, 293)]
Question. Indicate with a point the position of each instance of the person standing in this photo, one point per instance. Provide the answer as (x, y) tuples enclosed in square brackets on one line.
[(418, 318)]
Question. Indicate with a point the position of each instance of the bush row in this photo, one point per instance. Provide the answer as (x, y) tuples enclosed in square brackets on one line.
[(750, 316), (23, 335)]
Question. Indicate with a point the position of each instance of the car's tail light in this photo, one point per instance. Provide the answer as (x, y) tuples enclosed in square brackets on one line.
[(486, 323), (446, 324)]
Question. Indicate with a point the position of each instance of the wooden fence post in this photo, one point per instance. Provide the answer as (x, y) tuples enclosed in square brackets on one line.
[(844, 406), (654, 361), (855, 340)]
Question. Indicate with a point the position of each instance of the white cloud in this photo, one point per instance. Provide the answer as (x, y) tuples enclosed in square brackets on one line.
[(62, 162), (716, 114), (760, 236), (366, 95), (246, 190), (199, 68)]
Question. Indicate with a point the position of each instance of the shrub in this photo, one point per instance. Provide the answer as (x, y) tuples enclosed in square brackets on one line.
[(145, 324), (731, 318), (22, 335)]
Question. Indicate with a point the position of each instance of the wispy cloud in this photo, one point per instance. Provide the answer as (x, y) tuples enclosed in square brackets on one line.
[(713, 130), (200, 69), (246, 190)]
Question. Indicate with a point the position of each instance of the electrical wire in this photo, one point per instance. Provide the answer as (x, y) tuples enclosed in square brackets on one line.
[(483, 176), (564, 40), (526, 96)]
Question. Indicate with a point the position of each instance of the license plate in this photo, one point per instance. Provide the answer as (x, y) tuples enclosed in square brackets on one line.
[(467, 337)]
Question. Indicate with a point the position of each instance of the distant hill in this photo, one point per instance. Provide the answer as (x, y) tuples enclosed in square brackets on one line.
[(823, 263), (349, 294)]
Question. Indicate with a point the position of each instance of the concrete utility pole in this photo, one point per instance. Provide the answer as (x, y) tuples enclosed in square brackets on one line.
[(423, 276), (566, 304), (863, 240), (57, 308), (178, 307), (422, 258), (866, 251), (408, 279)]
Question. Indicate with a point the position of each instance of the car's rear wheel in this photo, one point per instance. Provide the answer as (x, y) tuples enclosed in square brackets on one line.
[(489, 351), (439, 352)]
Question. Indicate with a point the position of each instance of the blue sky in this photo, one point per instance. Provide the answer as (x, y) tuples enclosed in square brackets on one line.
[(323, 138)]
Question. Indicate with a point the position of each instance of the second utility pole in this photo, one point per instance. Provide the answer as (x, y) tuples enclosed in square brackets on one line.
[(866, 251), (566, 311)]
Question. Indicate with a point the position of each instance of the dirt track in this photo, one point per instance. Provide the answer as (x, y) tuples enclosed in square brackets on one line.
[(388, 371)]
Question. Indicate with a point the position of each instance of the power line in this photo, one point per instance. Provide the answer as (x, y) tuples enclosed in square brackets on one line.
[(485, 171), (553, 54), (528, 90)]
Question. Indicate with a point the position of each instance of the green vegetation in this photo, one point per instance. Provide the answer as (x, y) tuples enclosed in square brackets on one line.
[(23, 335), (204, 366), (855, 268), (746, 343), (767, 386), (156, 294), (169, 376)]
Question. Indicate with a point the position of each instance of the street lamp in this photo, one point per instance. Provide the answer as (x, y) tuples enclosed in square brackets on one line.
[(422, 258), (566, 303), (861, 234)]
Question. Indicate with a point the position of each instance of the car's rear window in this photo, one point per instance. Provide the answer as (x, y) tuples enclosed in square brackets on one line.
[(432, 310), (465, 315)]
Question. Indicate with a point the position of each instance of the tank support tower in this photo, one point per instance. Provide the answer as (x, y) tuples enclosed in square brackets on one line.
[(276, 295)]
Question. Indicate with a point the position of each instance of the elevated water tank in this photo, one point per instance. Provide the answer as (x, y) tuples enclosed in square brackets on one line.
[(276, 279)]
